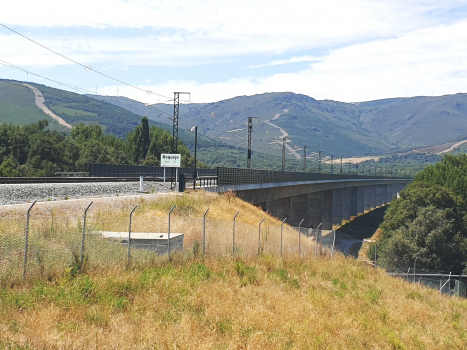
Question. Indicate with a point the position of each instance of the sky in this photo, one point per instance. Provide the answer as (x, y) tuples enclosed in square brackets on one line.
[(343, 50)]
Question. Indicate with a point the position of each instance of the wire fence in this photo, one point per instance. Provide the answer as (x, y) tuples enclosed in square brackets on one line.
[(49, 242)]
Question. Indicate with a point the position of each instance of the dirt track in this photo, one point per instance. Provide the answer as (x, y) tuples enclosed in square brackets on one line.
[(40, 103)]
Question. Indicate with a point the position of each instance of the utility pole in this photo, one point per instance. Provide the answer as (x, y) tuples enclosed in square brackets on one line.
[(175, 130), (250, 128), (195, 171), (341, 164), (319, 161), (349, 167), (331, 163), (304, 158), (283, 153)]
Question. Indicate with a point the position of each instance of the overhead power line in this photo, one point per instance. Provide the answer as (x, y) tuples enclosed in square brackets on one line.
[(87, 68)]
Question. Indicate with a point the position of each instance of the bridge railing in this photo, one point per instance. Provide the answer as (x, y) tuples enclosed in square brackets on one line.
[(125, 170), (242, 176)]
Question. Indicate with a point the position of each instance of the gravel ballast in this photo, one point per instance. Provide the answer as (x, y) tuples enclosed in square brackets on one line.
[(24, 193)]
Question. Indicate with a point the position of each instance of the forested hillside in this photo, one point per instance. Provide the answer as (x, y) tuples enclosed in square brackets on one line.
[(429, 220), (33, 150)]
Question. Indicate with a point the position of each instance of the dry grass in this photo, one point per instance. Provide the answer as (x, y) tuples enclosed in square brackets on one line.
[(264, 303), (250, 302)]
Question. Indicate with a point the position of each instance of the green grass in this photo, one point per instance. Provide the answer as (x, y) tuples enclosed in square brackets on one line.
[(71, 111), (17, 106)]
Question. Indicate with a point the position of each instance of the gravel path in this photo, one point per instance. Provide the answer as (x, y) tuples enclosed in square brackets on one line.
[(23, 193)]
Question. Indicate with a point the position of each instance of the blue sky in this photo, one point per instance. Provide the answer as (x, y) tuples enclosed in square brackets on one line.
[(345, 50)]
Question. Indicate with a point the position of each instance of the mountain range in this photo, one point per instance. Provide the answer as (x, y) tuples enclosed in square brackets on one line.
[(388, 126)]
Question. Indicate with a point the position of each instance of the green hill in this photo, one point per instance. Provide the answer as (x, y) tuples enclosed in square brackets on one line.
[(17, 106)]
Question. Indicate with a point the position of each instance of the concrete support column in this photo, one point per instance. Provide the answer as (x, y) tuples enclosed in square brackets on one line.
[(326, 214), (353, 201), (384, 194), (388, 193), (337, 206), (379, 193), (372, 189), (346, 201), (315, 203), (281, 208), (299, 209), (366, 198), (360, 199)]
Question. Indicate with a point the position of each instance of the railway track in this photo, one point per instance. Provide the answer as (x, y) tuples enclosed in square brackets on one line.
[(42, 180), (204, 180)]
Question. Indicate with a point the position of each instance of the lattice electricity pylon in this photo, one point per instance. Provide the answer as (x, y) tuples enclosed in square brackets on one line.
[(250, 128), (319, 162), (175, 130), (284, 140)]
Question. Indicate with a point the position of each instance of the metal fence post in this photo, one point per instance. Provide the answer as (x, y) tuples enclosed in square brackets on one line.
[(316, 239), (259, 236), (129, 235), (204, 232), (282, 226), (233, 234), (445, 283), (334, 241), (26, 236), (84, 232), (414, 269), (168, 233), (376, 251), (299, 239)]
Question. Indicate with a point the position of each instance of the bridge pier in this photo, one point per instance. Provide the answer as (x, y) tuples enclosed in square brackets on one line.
[(366, 199), (379, 193), (388, 193), (315, 203), (327, 210), (337, 206), (346, 202), (360, 199), (280, 208), (353, 201), (384, 194), (372, 189), (299, 209)]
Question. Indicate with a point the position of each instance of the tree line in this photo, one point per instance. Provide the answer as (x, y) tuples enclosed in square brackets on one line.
[(33, 150), (429, 220)]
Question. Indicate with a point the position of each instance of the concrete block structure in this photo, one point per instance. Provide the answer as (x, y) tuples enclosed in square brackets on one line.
[(157, 242)]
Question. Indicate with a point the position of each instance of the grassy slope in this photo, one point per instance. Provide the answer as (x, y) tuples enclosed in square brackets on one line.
[(221, 303), (17, 106)]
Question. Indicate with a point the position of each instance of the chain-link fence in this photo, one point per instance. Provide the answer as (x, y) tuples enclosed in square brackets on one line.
[(50, 241), (442, 281)]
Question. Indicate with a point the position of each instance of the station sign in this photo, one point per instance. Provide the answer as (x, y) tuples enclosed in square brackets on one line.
[(171, 160)]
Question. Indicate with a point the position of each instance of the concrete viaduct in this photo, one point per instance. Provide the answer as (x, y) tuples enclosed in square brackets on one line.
[(322, 198)]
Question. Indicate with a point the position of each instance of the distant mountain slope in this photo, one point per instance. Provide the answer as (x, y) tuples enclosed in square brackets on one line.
[(419, 121), (348, 129), (394, 125), (17, 106)]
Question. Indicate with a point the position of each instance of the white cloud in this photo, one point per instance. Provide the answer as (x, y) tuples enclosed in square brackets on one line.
[(430, 61), (305, 58), (188, 32)]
